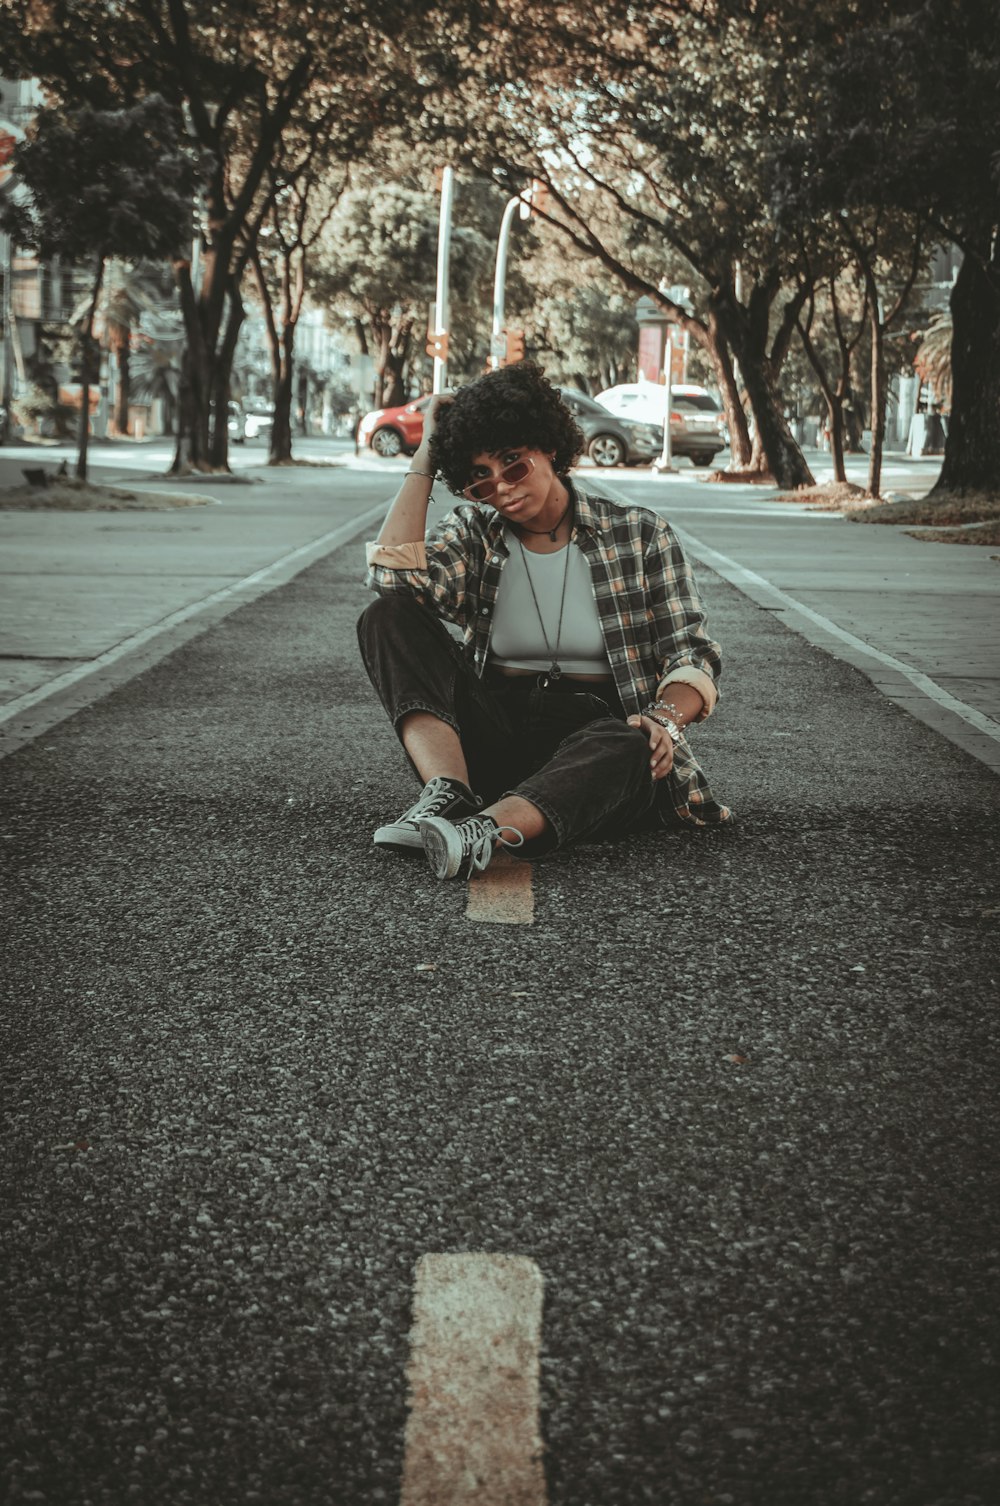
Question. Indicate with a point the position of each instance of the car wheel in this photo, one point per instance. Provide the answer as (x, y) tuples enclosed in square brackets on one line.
[(702, 460), (605, 449), (387, 443)]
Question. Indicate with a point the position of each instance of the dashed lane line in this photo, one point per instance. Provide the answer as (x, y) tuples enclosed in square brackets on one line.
[(502, 894), (473, 1436)]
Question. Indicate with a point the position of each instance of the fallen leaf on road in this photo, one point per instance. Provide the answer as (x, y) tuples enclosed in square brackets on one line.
[(425, 967), (739, 1060)]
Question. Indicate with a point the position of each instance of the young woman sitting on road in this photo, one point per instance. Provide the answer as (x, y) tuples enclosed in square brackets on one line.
[(562, 716)]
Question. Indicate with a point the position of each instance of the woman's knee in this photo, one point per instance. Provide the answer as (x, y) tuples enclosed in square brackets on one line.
[(613, 739), (382, 610)]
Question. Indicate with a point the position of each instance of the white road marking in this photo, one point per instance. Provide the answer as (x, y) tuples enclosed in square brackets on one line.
[(299, 558), (502, 894), (739, 576), (472, 1437)]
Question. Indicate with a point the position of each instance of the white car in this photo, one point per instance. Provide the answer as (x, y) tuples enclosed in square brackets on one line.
[(647, 400), (257, 422), (697, 424)]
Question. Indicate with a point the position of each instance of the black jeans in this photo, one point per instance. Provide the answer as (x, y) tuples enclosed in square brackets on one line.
[(565, 749)]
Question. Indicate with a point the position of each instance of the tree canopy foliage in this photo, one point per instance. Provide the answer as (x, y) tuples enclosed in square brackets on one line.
[(101, 183), (753, 150)]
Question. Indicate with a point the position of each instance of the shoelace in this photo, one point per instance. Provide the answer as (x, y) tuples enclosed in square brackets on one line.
[(436, 798), (478, 836)]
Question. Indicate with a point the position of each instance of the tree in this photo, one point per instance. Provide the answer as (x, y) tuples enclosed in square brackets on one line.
[(305, 190), (574, 309), (666, 132), (377, 264), (846, 307), (100, 183), (242, 77), (909, 111)]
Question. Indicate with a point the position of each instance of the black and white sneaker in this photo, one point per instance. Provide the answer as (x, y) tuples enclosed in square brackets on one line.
[(440, 797), (469, 844)]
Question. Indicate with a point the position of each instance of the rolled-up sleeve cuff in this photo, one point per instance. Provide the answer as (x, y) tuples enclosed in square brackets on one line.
[(397, 556), (686, 674)]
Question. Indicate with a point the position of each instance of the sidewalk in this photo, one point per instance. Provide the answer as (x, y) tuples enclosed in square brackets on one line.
[(91, 598)]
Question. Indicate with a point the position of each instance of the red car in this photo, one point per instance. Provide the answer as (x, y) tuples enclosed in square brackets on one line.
[(394, 431)]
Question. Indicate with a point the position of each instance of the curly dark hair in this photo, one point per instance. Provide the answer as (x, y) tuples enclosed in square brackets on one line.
[(513, 408)]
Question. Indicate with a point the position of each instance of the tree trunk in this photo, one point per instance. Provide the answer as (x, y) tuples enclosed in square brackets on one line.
[(302, 402), (832, 396), (281, 432), (835, 408), (122, 355), (785, 460), (972, 447), (191, 449), (221, 376), (740, 449), (879, 398), (87, 341), (745, 330)]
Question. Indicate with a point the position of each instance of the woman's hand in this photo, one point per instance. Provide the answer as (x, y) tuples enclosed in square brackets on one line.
[(661, 745), (438, 401), (422, 454)]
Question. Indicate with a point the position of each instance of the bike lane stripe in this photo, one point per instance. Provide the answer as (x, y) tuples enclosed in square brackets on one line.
[(472, 1436)]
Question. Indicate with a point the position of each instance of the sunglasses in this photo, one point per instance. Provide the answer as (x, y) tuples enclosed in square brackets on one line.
[(485, 490)]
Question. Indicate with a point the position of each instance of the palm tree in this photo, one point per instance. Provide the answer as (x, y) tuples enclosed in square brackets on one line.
[(133, 291), (932, 361), (155, 371)]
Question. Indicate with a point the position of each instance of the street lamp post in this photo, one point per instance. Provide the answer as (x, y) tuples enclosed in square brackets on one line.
[(498, 344), (441, 309)]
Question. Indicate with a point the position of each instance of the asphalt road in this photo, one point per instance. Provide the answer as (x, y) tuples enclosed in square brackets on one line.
[(734, 1094)]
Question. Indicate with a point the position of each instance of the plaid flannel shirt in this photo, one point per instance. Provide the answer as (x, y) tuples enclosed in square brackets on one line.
[(647, 601)]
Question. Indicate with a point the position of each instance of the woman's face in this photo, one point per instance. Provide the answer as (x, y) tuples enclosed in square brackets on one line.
[(525, 497)]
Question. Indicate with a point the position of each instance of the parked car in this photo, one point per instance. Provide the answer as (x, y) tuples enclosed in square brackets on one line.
[(697, 422), (611, 440), (394, 431), (259, 419)]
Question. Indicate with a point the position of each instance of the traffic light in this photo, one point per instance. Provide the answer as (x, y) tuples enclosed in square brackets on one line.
[(437, 345), (515, 346)]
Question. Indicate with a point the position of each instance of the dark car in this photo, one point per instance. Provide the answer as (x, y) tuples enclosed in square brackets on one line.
[(610, 440)]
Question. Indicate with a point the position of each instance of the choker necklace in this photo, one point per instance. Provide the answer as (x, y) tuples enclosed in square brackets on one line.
[(550, 531)]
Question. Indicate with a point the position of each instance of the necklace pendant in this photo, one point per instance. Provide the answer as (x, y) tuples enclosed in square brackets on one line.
[(555, 673)]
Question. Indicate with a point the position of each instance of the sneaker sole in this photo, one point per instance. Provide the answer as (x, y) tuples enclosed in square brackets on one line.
[(443, 848), (398, 839)]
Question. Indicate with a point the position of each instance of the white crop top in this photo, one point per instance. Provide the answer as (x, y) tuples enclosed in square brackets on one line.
[(517, 641)]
